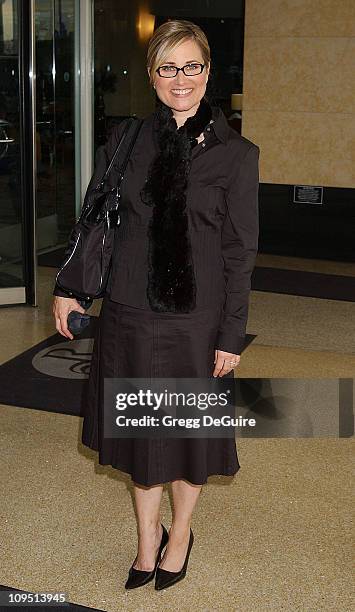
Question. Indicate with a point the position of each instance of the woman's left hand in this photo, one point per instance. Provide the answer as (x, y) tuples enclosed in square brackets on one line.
[(222, 362)]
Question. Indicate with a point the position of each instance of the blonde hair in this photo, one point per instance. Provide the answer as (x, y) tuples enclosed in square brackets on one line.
[(168, 36)]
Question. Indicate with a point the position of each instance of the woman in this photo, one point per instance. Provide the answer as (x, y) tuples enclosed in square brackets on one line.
[(177, 300)]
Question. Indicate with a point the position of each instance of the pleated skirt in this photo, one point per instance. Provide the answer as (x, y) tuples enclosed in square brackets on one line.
[(131, 342)]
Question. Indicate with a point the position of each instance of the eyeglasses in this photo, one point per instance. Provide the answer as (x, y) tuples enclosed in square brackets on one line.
[(168, 72)]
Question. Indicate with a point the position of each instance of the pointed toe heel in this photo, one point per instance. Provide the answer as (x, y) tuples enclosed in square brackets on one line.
[(165, 579), (137, 578)]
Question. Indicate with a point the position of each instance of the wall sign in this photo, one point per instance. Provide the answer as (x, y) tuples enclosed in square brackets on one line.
[(307, 194)]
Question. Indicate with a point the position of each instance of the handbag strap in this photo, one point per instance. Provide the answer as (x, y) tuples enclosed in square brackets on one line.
[(132, 120), (139, 123)]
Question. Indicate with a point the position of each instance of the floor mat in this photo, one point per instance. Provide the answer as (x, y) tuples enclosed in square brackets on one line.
[(68, 607), (51, 375), (52, 259), (306, 284)]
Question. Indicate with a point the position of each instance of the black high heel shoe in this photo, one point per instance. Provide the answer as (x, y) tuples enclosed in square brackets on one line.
[(164, 578), (137, 578)]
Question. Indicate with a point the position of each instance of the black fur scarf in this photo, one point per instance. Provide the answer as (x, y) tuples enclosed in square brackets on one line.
[(171, 279)]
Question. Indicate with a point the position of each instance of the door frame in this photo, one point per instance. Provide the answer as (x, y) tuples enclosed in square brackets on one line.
[(85, 89), (28, 80)]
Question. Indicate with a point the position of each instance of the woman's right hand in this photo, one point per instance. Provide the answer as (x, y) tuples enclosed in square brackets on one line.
[(62, 306)]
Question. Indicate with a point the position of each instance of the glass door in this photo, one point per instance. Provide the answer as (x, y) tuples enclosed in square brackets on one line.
[(39, 121), (55, 126), (16, 264)]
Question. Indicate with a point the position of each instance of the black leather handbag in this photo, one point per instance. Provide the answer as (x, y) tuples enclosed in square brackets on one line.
[(86, 267)]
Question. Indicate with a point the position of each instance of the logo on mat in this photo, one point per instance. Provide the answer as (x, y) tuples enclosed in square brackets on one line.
[(65, 360)]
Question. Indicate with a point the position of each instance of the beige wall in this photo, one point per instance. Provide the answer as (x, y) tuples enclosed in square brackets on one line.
[(299, 90)]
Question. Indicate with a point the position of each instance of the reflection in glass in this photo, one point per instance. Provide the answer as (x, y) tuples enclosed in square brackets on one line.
[(54, 27), (11, 248)]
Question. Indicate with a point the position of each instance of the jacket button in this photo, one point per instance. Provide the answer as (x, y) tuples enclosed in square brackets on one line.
[(203, 144)]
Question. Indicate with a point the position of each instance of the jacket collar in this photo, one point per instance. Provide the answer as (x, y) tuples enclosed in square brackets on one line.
[(220, 124)]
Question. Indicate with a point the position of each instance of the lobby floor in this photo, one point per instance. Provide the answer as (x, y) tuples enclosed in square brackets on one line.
[(276, 537)]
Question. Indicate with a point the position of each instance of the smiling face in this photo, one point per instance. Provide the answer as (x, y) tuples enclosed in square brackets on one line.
[(183, 93)]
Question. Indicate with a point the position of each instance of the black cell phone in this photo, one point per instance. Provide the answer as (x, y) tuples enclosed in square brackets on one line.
[(76, 320)]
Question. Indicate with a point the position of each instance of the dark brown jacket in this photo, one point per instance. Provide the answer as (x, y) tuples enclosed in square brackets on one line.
[(222, 208)]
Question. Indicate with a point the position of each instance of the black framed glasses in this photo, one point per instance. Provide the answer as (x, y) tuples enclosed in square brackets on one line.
[(168, 71)]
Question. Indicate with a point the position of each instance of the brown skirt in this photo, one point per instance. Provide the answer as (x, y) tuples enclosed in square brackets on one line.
[(131, 342)]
